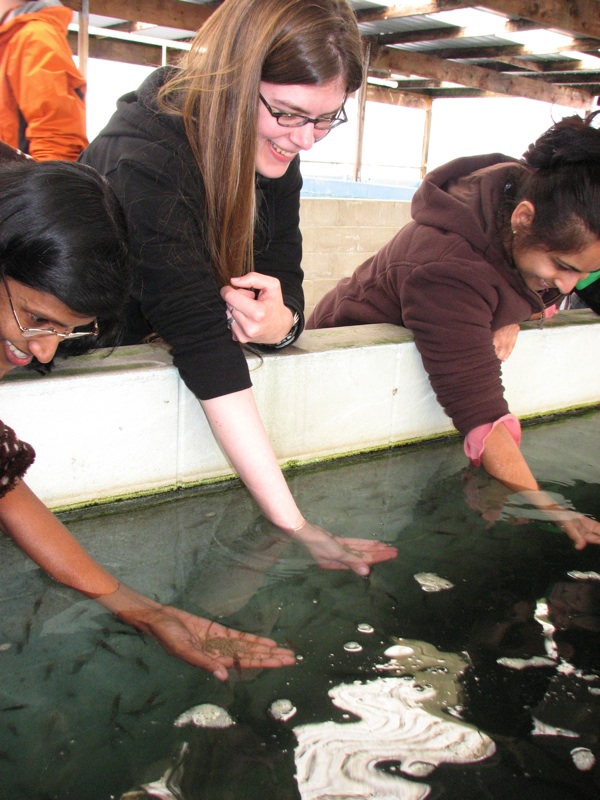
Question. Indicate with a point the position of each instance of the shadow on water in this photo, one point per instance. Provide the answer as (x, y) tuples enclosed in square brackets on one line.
[(491, 688)]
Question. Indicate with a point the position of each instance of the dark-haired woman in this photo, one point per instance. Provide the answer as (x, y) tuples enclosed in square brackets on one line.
[(205, 160), (64, 280), (494, 241)]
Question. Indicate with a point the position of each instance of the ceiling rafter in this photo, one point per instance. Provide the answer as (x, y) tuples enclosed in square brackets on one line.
[(440, 58), (170, 13), (477, 77)]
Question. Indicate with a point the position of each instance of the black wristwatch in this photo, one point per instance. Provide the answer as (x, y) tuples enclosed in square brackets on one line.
[(290, 336)]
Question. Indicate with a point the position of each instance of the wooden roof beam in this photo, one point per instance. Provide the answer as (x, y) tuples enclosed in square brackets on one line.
[(478, 77), (379, 94), (466, 53), (576, 17), (410, 10), (125, 52), (450, 32), (167, 13)]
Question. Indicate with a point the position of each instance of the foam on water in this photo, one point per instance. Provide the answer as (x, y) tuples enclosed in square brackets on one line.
[(400, 720), (336, 760)]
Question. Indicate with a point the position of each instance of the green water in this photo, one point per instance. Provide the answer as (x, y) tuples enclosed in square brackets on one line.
[(87, 706)]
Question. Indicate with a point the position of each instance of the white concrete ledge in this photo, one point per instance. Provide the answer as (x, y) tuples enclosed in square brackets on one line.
[(111, 425)]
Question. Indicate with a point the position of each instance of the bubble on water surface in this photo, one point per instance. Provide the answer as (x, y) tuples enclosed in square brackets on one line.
[(398, 651), (544, 729), (282, 709), (353, 647), (430, 582), (364, 627), (584, 576), (524, 663), (206, 715), (583, 758)]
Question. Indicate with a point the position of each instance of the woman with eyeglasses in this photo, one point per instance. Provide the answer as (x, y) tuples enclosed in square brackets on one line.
[(205, 159), (64, 283)]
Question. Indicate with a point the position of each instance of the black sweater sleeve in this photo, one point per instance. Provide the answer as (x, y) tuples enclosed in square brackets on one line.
[(173, 280)]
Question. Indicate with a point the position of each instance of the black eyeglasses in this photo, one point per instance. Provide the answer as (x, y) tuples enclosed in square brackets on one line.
[(30, 333), (287, 120)]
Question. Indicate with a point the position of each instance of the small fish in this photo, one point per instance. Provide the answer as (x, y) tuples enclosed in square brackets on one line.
[(116, 724), (80, 663), (115, 705), (25, 639), (108, 647), (142, 664), (17, 707), (148, 705), (127, 632), (55, 722), (80, 612)]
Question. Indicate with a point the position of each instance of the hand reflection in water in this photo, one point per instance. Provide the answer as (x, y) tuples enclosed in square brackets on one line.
[(242, 566), (334, 552)]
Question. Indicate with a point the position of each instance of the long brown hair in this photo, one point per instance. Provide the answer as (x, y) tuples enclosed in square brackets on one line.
[(217, 90)]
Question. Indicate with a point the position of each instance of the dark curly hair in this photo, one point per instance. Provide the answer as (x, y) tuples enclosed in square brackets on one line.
[(563, 184)]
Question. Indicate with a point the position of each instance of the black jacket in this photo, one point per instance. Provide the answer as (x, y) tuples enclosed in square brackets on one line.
[(146, 156)]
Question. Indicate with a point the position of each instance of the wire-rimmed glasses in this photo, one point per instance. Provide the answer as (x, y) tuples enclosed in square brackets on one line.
[(30, 333)]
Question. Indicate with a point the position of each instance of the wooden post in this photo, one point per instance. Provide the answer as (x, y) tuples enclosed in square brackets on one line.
[(362, 102), (82, 37), (426, 139)]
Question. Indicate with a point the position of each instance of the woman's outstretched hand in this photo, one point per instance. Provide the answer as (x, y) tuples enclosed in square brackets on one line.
[(333, 552), (581, 530), (201, 642)]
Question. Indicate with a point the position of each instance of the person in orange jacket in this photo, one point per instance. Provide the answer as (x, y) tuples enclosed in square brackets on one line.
[(42, 93)]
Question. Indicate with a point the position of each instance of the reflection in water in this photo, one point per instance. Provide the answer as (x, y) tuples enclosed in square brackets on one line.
[(400, 737), (395, 729), (88, 706)]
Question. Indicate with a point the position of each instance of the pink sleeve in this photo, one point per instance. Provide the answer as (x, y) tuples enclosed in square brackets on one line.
[(550, 312), (475, 439)]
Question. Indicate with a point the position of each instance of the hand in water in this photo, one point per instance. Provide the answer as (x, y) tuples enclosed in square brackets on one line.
[(198, 641), (580, 529), (332, 552)]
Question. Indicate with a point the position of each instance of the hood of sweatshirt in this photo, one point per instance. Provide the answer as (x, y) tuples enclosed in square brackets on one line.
[(49, 11), (466, 197)]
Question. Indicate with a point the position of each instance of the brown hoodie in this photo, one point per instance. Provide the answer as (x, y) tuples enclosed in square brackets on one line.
[(448, 278)]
